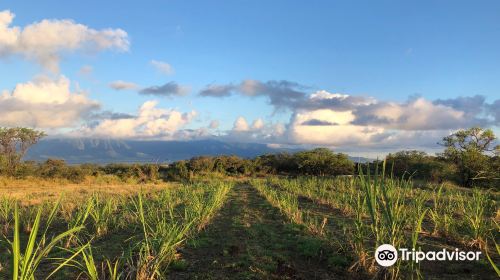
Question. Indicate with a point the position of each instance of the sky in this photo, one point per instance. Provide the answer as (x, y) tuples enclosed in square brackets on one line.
[(362, 77)]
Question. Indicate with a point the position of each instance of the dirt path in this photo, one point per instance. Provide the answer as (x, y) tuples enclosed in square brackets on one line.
[(250, 239)]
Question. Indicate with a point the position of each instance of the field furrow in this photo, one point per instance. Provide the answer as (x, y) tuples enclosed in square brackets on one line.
[(251, 239)]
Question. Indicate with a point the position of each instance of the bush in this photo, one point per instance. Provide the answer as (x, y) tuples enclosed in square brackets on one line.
[(178, 171), (417, 164), (53, 168), (75, 174), (322, 161), (26, 169)]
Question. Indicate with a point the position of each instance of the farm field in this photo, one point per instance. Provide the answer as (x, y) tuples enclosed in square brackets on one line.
[(273, 140), (261, 228)]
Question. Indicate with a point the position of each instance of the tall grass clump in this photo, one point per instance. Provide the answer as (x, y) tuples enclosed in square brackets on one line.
[(494, 265), (381, 209), (82, 259), (384, 200), (6, 209), (286, 202), (25, 263), (202, 207), (78, 219), (338, 192), (417, 213), (164, 230), (359, 232), (442, 212), (476, 211), (157, 248), (102, 214)]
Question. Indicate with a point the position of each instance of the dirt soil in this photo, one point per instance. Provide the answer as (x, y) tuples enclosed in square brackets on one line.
[(250, 239)]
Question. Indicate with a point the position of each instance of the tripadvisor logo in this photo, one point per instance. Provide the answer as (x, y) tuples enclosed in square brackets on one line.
[(387, 255)]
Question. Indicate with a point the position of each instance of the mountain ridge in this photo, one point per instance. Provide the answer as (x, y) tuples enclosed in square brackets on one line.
[(102, 151)]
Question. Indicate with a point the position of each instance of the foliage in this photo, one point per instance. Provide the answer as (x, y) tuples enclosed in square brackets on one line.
[(14, 143), (383, 209), (156, 224), (322, 161), (25, 264), (416, 164), (467, 149), (470, 158)]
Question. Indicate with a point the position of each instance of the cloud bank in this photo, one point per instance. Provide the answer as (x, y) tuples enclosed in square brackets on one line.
[(46, 41), (316, 118), (45, 103), (341, 120), (150, 122)]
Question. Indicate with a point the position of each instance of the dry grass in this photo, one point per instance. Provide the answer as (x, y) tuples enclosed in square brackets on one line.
[(33, 191)]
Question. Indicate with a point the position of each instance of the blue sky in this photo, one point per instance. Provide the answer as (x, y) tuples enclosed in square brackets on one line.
[(393, 53)]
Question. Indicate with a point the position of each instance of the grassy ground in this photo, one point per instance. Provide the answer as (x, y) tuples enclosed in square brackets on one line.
[(35, 190), (250, 239), (432, 270), (141, 240), (275, 230), (462, 209)]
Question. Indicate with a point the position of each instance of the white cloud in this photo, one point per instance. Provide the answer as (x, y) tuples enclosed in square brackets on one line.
[(240, 124), (151, 122), (356, 123), (258, 132), (323, 94), (44, 103), (329, 127), (258, 124), (326, 115), (416, 114), (163, 67), (422, 114), (45, 41), (123, 85), (338, 130), (368, 123)]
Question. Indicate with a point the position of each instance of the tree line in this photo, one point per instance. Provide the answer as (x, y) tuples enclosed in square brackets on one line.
[(470, 158)]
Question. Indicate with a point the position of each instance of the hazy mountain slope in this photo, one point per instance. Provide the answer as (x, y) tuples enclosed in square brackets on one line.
[(106, 150)]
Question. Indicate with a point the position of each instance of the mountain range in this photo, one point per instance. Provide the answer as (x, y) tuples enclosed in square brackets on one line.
[(101, 151)]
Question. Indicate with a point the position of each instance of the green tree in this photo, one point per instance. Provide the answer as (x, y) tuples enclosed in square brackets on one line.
[(180, 170), (417, 164), (280, 163), (53, 168), (14, 143), (201, 164), (470, 151), (322, 161)]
